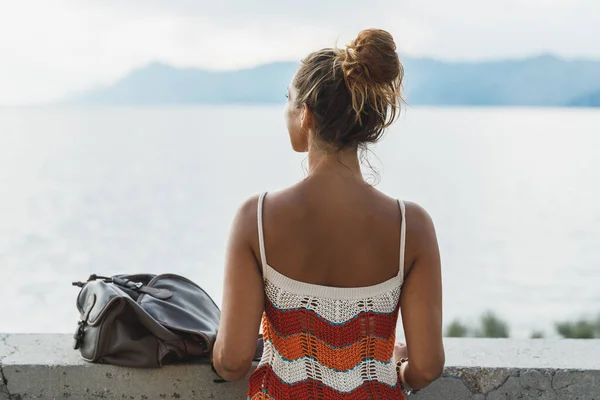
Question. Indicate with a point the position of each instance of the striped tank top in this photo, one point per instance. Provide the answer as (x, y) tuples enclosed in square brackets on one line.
[(324, 342)]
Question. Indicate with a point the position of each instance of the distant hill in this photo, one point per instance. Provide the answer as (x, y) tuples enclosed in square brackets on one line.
[(163, 84), (588, 100), (538, 81)]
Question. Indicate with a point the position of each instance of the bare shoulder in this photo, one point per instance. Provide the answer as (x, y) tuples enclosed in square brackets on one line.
[(420, 228), (248, 208), (246, 219), (417, 217), (276, 202)]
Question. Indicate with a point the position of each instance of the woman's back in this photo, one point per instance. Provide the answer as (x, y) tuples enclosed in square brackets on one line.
[(327, 264), (329, 324), (333, 230)]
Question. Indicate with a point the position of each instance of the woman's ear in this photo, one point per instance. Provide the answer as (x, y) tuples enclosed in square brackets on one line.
[(305, 118)]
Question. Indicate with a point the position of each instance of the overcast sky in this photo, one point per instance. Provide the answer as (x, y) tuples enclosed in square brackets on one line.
[(52, 47)]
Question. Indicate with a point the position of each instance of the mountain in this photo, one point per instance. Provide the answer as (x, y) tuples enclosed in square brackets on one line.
[(539, 81), (163, 84), (588, 100)]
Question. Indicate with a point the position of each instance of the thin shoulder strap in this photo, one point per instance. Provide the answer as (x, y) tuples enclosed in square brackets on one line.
[(402, 238), (261, 235)]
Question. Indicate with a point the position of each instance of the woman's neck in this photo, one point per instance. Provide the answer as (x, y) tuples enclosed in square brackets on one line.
[(344, 162)]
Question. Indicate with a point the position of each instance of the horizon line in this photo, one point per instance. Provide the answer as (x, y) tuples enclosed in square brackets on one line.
[(483, 60)]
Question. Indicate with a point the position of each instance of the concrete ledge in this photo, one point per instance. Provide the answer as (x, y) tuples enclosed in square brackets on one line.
[(45, 367)]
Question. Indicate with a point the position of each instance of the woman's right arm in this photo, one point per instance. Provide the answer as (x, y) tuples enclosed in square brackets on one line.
[(421, 302)]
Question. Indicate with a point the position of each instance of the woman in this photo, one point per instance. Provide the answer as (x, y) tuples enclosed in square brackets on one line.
[(328, 263)]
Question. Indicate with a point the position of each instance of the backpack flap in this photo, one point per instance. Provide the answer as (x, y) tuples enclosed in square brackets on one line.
[(190, 312)]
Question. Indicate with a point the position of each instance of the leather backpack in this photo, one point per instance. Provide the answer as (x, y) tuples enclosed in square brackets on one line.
[(145, 320)]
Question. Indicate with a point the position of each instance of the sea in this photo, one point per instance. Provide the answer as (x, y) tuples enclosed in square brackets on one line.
[(514, 194)]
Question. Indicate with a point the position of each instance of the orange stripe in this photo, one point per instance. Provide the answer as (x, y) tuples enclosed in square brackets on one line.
[(341, 358), (294, 321)]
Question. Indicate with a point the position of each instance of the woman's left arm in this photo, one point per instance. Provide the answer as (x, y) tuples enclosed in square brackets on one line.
[(243, 298)]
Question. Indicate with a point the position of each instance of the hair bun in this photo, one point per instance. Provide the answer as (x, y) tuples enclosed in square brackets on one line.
[(373, 74), (372, 55)]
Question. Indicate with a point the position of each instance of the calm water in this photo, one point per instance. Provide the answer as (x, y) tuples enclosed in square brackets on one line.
[(515, 195)]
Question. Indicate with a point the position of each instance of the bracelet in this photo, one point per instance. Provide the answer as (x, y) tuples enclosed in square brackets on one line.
[(406, 390)]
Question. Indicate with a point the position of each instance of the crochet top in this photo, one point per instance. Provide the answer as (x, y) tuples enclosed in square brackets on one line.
[(324, 342)]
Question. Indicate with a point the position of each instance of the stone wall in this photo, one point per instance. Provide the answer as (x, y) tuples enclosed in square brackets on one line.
[(45, 367)]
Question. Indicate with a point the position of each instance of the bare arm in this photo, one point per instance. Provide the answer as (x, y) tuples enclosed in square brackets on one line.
[(421, 303), (243, 299)]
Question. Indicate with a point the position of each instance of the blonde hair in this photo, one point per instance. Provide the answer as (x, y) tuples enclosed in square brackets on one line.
[(353, 93)]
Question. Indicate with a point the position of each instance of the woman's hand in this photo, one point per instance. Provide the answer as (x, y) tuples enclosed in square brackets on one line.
[(400, 351)]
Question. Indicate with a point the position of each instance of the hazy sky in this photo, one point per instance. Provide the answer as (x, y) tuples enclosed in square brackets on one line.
[(52, 47)]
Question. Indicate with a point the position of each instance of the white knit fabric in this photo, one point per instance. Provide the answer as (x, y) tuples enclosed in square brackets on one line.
[(331, 309), (344, 381)]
